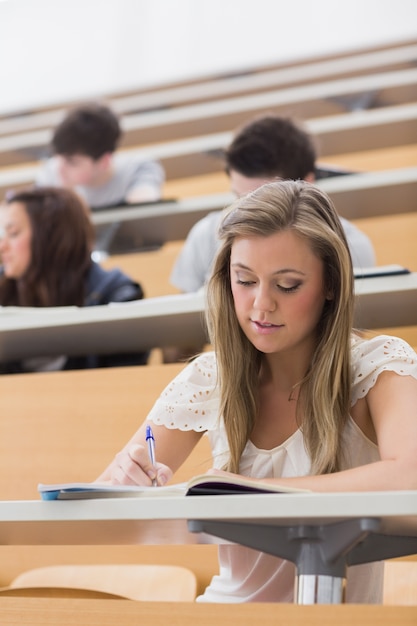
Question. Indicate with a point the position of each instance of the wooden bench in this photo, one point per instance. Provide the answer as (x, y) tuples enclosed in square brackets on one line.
[(67, 426)]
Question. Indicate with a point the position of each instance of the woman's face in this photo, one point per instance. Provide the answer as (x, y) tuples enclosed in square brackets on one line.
[(278, 291), (15, 241)]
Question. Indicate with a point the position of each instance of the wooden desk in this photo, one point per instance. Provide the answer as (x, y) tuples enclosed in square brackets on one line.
[(384, 158), (366, 194), (76, 612), (373, 193), (322, 534), (365, 130), (154, 322), (145, 227), (169, 320)]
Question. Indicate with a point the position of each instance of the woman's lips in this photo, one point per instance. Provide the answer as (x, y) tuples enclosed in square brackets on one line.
[(265, 328)]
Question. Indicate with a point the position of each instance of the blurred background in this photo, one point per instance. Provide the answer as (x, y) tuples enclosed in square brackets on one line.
[(53, 51)]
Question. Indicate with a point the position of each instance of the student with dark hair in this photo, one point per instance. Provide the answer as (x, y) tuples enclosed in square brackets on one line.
[(266, 149), (86, 160), (45, 247), (271, 147), (290, 394)]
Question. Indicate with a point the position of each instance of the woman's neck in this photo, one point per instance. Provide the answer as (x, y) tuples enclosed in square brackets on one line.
[(285, 371)]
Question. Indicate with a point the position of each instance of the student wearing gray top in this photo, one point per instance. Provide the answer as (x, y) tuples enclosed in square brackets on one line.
[(84, 147), (264, 150)]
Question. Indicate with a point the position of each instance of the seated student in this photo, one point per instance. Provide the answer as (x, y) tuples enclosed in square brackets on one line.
[(291, 394), (84, 146), (45, 249), (266, 149)]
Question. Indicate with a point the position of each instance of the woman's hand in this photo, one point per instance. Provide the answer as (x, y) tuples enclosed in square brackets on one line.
[(132, 466)]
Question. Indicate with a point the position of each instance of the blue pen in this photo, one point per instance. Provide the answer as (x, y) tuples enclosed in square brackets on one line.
[(150, 440)]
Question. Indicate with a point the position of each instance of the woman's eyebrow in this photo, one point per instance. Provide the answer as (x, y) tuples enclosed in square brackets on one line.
[(284, 270)]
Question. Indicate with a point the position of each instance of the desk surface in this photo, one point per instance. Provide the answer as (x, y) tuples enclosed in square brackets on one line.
[(154, 519)]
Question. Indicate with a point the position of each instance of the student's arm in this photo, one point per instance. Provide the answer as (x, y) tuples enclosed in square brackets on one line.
[(146, 182), (132, 465), (143, 193)]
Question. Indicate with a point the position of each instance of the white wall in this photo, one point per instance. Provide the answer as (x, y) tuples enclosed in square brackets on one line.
[(56, 50)]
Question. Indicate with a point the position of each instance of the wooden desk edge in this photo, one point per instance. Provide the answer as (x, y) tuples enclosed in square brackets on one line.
[(68, 612)]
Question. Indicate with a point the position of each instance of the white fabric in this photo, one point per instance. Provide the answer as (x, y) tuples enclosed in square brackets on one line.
[(193, 265), (129, 173), (191, 402)]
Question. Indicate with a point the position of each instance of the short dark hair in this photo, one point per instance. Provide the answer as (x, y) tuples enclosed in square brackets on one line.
[(91, 129), (270, 147)]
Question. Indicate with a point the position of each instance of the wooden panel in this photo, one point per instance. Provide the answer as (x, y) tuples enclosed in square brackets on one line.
[(394, 238), (152, 269), (400, 583), (67, 426), (73, 612)]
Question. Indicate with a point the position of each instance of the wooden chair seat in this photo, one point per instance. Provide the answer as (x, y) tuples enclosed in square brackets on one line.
[(161, 583)]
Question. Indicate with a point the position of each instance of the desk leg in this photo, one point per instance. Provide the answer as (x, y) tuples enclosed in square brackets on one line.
[(320, 552), (310, 589)]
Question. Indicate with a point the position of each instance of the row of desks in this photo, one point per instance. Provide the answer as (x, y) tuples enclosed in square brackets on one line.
[(249, 81), (320, 100), (361, 195), (385, 89), (364, 130), (389, 301)]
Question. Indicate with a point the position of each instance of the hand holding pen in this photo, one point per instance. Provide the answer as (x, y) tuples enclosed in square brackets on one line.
[(150, 440)]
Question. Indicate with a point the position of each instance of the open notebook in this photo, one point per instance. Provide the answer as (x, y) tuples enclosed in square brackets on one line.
[(205, 484)]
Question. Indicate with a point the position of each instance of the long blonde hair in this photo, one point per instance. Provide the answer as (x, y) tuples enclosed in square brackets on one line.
[(325, 390)]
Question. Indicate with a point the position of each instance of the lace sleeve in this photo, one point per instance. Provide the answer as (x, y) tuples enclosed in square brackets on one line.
[(376, 355), (190, 401)]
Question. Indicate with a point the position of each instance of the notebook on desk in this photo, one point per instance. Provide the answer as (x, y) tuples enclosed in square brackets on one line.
[(204, 484)]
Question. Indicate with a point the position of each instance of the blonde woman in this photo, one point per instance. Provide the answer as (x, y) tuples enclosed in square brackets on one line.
[(290, 392)]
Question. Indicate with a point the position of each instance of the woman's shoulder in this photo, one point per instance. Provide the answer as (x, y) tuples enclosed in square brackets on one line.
[(190, 401), (371, 356), (201, 371), (381, 347)]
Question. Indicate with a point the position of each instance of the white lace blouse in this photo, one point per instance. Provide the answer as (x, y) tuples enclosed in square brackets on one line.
[(191, 402)]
